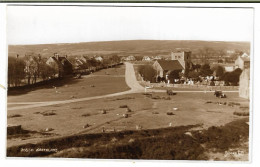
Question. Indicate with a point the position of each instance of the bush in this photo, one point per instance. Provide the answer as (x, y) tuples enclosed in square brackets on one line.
[(232, 77), (14, 115), (123, 106), (170, 113), (86, 115), (241, 113), (147, 72)]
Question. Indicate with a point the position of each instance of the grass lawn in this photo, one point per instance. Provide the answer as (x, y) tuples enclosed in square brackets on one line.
[(147, 112), (172, 143), (91, 85), (118, 71)]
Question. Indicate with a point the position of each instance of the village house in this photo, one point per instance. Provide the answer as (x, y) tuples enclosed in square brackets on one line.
[(165, 67), (130, 58), (61, 64), (99, 58), (78, 63), (244, 84), (243, 61), (229, 68), (146, 58), (157, 57), (84, 59)]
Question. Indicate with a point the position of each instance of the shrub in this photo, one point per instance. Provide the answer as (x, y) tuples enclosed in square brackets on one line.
[(241, 113), (170, 113), (48, 113), (123, 106), (147, 72), (14, 115)]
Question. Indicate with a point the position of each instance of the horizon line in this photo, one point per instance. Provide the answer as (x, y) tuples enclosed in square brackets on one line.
[(125, 40)]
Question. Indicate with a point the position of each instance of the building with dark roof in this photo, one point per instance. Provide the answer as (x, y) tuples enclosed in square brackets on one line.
[(61, 64), (164, 67)]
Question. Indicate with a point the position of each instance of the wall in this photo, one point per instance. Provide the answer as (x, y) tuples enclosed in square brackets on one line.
[(244, 83)]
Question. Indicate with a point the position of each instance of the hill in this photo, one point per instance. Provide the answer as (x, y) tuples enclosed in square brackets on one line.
[(144, 47)]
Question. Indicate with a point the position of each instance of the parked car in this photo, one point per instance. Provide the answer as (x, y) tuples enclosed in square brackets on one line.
[(220, 94)]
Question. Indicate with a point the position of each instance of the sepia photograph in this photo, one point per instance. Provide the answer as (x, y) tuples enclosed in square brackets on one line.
[(129, 82)]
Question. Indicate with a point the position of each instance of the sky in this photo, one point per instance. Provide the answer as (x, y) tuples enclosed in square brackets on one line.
[(73, 24)]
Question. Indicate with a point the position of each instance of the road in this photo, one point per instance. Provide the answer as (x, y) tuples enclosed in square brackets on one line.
[(130, 79)]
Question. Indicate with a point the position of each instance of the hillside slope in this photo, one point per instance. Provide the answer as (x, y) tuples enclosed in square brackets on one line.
[(124, 47)]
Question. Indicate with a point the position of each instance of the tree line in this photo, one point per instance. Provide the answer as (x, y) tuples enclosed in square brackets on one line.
[(27, 69), (32, 68)]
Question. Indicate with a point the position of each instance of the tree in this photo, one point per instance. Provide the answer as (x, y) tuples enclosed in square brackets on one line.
[(232, 77), (196, 67), (194, 74), (205, 70), (147, 72), (206, 53), (47, 71), (219, 71), (115, 59), (174, 75), (16, 72)]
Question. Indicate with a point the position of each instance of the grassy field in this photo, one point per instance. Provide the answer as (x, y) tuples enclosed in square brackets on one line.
[(69, 88), (140, 125), (172, 143), (147, 112)]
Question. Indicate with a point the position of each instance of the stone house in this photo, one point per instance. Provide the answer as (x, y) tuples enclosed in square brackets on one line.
[(164, 67), (61, 64), (130, 58), (242, 61)]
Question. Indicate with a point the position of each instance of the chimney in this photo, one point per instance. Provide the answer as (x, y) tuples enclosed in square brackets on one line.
[(66, 56), (17, 55), (56, 55), (39, 56)]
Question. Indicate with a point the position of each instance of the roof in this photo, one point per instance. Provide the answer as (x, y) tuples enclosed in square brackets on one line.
[(170, 65), (60, 60), (245, 58)]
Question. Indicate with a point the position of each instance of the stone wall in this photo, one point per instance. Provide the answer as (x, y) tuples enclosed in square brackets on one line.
[(244, 84)]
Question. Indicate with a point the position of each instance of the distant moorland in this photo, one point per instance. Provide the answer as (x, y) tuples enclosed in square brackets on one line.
[(124, 48)]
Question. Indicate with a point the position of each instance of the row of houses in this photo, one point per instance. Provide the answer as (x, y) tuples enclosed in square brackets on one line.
[(62, 64), (145, 58)]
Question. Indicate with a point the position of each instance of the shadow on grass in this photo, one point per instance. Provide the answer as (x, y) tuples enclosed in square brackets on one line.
[(49, 84), (173, 143), (23, 134)]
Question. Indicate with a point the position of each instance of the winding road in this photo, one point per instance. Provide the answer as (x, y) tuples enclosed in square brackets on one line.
[(130, 79)]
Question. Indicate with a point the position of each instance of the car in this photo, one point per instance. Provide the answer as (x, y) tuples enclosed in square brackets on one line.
[(170, 92), (220, 94)]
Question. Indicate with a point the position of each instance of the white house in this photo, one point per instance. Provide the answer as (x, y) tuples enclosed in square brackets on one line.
[(146, 58), (242, 61)]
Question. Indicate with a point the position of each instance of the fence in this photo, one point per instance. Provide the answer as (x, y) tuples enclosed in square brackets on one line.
[(188, 86)]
